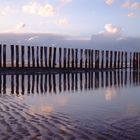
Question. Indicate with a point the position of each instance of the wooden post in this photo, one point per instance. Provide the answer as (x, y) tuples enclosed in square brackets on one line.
[(92, 59), (86, 58), (115, 59), (81, 58), (134, 61), (137, 58), (4, 55), (89, 59), (41, 56), (64, 57), (0, 56), (111, 57), (125, 60), (60, 55), (121, 60), (97, 59), (29, 56), (45, 56), (118, 65), (22, 56), (12, 56), (54, 57), (17, 56), (68, 58), (33, 57), (72, 58), (102, 61), (106, 59), (50, 57), (130, 60), (76, 58), (37, 56)]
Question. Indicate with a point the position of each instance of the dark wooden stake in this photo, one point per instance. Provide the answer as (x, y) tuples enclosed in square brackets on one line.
[(45, 56), (60, 55), (12, 56), (64, 57), (72, 58), (50, 57), (118, 65), (107, 60), (122, 60), (115, 60), (33, 57), (111, 57), (68, 57), (54, 57), (37, 56), (22, 56), (125, 60), (0, 56), (41, 56), (76, 58), (4, 56), (86, 58), (17, 56), (29, 56)]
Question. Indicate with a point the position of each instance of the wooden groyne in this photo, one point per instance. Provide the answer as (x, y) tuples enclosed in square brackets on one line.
[(66, 58)]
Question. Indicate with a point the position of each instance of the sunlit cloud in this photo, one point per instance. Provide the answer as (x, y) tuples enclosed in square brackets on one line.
[(131, 5), (109, 2), (38, 9), (62, 22), (113, 29), (65, 1), (126, 4), (131, 14)]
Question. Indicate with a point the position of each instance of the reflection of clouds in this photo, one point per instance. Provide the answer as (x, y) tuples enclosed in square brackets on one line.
[(62, 101), (132, 110), (41, 109), (110, 94)]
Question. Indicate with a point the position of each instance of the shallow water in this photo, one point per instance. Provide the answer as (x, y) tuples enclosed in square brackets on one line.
[(82, 106)]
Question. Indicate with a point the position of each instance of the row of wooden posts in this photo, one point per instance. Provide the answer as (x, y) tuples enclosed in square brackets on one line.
[(68, 58)]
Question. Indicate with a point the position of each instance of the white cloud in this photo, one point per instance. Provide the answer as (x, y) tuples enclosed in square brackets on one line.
[(6, 10), (135, 6), (131, 14), (38, 9), (62, 22), (65, 1), (109, 2), (126, 4), (113, 29), (131, 5)]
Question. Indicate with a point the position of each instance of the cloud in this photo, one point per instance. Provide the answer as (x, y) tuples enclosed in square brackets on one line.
[(131, 14), (113, 29), (65, 1), (38, 9), (62, 22), (131, 5), (109, 2), (135, 6), (126, 4), (6, 10)]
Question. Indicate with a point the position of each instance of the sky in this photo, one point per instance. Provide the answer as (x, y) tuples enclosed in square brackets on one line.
[(82, 18)]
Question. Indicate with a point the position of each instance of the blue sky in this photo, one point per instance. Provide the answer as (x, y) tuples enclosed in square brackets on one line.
[(72, 17)]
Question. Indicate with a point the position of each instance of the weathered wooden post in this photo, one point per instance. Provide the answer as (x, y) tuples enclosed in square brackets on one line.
[(122, 60), (89, 59), (130, 60), (81, 58), (76, 58), (29, 56), (92, 59), (106, 59), (137, 58), (118, 65), (60, 55), (111, 57), (102, 60), (115, 59), (97, 59), (0, 56), (125, 60), (72, 58), (64, 57), (68, 60), (45, 56), (12, 56), (50, 57), (54, 57), (37, 56), (4, 55), (41, 56), (86, 58), (22, 85), (4, 84), (17, 56), (22, 56), (12, 84), (134, 61), (33, 57)]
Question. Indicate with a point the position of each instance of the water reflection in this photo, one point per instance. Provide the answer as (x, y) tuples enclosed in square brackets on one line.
[(57, 83)]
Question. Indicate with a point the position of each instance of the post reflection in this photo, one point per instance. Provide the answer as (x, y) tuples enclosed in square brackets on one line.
[(68, 82)]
